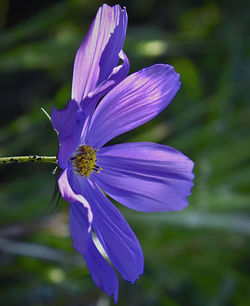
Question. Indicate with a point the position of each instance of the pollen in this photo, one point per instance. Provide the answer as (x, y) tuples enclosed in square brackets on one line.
[(84, 161)]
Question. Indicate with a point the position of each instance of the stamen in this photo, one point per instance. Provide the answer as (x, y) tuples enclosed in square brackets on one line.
[(84, 161), (97, 169)]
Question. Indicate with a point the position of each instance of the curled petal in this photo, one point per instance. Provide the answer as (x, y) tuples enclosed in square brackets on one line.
[(99, 52), (102, 273), (145, 176), (118, 74), (88, 104), (80, 212), (136, 100)]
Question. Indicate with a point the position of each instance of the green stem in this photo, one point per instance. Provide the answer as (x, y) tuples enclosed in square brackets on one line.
[(28, 159)]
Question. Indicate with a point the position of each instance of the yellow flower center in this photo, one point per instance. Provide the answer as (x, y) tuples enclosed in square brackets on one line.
[(84, 161)]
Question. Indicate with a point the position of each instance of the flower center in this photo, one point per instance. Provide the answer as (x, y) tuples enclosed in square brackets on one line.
[(84, 161)]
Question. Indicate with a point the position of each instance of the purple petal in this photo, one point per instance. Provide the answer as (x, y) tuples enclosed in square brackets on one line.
[(145, 176), (80, 213), (88, 104), (115, 235), (69, 125), (102, 273), (99, 52), (136, 100), (118, 74), (79, 226)]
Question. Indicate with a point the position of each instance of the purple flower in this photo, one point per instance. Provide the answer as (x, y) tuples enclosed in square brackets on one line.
[(143, 176)]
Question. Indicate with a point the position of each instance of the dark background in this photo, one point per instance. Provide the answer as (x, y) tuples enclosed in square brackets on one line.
[(200, 256)]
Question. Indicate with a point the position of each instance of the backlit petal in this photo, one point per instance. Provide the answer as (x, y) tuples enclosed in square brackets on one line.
[(145, 176), (118, 74), (88, 104), (136, 100), (99, 52)]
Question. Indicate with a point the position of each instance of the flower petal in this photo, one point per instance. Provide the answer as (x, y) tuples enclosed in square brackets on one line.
[(99, 52), (80, 213), (118, 74), (145, 176), (136, 100), (115, 235), (79, 226), (69, 125), (102, 273), (88, 104)]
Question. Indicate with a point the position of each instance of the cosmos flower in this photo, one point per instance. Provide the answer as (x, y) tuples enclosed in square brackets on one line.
[(143, 176)]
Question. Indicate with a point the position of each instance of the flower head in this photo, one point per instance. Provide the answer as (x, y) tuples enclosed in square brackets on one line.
[(142, 176)]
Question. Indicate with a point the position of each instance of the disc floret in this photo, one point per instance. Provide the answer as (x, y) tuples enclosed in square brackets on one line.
[(84, 161)]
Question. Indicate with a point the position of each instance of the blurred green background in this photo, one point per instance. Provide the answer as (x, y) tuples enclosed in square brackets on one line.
[(200, 256)]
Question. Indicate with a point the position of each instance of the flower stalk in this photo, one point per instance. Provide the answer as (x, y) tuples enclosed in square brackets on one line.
[(28, 159)]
